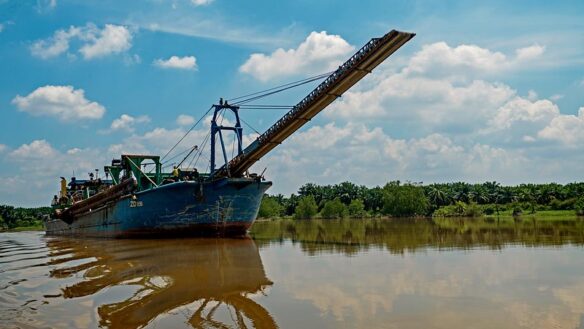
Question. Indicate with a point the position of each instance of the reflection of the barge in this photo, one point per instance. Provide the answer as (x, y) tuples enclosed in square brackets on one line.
[(201, 275)]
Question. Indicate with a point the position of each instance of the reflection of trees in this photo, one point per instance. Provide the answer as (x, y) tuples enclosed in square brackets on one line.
[(399, 235), (197, 274)]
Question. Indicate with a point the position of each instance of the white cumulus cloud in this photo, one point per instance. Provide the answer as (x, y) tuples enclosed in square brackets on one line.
[(62, 102), (565, 128), (37, 149), (440, 56), (56, 45), (127, 122), (45, 6), (467, 61), (39, 166), (441, 88), (320, 52), (96, 42), (367, 155), (201, 2), (530, 52), (185, 120), (526, 110), (175, 62), (111, 39)]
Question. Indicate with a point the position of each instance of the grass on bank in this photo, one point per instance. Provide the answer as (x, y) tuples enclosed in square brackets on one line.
[(36, 227)]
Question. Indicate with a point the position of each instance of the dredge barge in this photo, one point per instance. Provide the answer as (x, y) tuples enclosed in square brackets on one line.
[(133, 201)]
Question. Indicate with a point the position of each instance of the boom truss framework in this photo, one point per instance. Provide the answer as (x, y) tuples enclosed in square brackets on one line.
[(347, 75)]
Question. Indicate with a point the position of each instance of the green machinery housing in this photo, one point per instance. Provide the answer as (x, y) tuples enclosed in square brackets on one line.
[(131, 165)]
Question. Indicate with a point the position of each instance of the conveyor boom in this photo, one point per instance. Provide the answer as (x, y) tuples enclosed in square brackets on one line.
[(347, 75)]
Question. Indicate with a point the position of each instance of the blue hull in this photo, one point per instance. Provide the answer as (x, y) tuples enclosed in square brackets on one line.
[(227, 206)]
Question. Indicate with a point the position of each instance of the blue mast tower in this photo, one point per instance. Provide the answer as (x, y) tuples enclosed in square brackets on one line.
[(217, 129)]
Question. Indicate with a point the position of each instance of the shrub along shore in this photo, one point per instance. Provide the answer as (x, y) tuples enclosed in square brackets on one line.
[(397, 199), (20, 219)]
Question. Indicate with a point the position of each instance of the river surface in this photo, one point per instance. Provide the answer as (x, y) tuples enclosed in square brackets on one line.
[(447, 273)]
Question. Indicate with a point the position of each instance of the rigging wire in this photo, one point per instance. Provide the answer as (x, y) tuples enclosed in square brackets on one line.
[(194, 155), (265, 105), (276, 90), (267, 108), (251, 99), (243, 100), (188, 132), (197, 155), (252, 128), (309, 79), (233, 146), (193, 149), (177, 155)]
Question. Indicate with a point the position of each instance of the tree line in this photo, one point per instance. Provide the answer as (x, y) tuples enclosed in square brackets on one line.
[(416, 199), (11, 217)]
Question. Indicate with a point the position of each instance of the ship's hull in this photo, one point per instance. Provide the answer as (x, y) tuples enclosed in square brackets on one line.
[(227, 206)]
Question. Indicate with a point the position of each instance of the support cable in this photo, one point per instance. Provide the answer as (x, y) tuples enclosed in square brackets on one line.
[(198, 156), (265, 107), (186, 134), (233, 146), (193, 149), (247, 124), (175, 156), (251, 99), (305, 80)]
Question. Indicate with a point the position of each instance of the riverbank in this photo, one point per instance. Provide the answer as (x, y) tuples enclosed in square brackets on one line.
[(545, 215), (14, 219), (396, 199), (36, 227)]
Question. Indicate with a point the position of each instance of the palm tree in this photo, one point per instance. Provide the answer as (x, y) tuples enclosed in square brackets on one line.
[(436, 196), (461, 195), (478, 195), (527, 195), (496, 196)]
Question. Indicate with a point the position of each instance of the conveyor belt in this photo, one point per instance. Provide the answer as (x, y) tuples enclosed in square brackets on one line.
[(347, 75)]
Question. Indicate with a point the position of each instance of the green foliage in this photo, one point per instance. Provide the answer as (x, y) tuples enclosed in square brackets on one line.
[(11, 217), (306, 208), (579, 206), (270, 207), (456, 210), (489, 209), (436, 196), (567, 204), (517, 210), (404, 200), (460, 209), (357, 209), (334, 209), (491, 197), (473, 210)]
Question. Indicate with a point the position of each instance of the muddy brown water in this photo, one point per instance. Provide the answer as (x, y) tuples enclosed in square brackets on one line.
[(447, 273)]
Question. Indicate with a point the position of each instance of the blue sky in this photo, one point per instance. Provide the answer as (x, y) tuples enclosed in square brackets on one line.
[(486, 91)]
